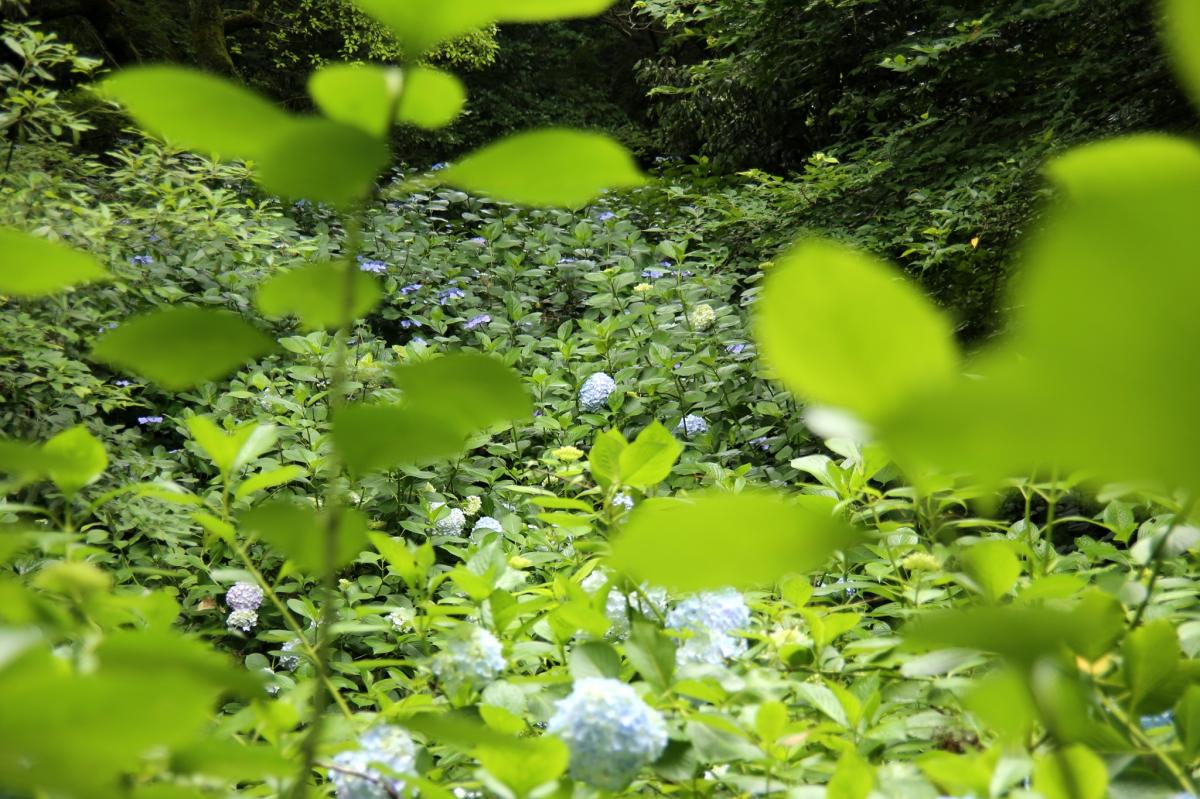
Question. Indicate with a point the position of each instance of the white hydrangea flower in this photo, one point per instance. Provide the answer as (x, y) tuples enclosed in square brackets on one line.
[(357, 775), (691, 425), (595, 391), (702, 316), (711, 618), (290, 662), (622, 500), (484, 525), (650, 602), (609, 730), (452, 523), (244, 596), (472, 505), (469, 660), (243, 619)]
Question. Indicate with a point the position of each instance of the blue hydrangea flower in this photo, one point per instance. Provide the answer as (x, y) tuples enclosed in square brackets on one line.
[(476, 321), (446, 295), (595, 391), (484, 525), (652, 274), (419, 340), (691, 425), (357, 775), (469, 660), (762, 443), (650, 602), (409, 324), (148, 420), (122, 383), (244, 596), (107, 326), (622, 501), (565, 261), (609, 730), (290, 662), (711, 618), (242, 619), (142, 260), (1158, 720), (606, 215), (439, 166), (369, 265), (411, 288), (735, 349), (479, 240)]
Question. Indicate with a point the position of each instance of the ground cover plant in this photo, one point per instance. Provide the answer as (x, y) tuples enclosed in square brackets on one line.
[(329, 474)]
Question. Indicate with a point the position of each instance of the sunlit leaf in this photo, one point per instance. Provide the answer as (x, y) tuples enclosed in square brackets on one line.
[(853, 778), (360, 95), (432, 98), (470, 391), (34, 267), (270, 478), (231, 450), (1072, 773), (76, 459), (1182, 31), (993, 567), (553, 167), (325, 161), (648, 460), (842, 329), (322, 295), (302, 534), (711, 540), (374, 437), (179, 348), (197, 110), (421, 24)]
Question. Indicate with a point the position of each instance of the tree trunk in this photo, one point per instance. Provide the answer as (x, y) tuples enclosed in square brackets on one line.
[(208, 37)]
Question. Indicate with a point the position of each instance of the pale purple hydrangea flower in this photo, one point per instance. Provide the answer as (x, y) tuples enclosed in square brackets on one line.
[(359, 778), (691, 425), (475, 322), (244, 596), (370, 265), (149, 420), (142, 260)]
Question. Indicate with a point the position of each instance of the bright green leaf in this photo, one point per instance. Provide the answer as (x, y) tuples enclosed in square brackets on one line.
[(551, 167), (323, 296), (842, 329), (1182, 32), (198, 111), (270, 478), (34, 267), (853, 778), (693, 544), (432, 98), (648, 460), (604, 459), (1150, 656), (374, 437), (1072, 773), (993, 567), (180, 348), (359, 95), (301, 534), (76, 459), (325, 161), (471, 392)]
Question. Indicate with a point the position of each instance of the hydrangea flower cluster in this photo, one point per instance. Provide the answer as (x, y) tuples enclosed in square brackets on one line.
[(290, 662), (609, 730), (370, 265), (1164, 719), (711, 618), (485, 525), (452, 523), (622, 500), (388, 746), (469, 660), (595, 391), (472, 505), (244, 596), (142, 260), (149, 420), (476, 321), (691, 425), (702, 316), (244, 620), (649, 602), (411, 288)]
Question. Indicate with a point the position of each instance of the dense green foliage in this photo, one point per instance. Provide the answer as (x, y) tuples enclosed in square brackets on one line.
[(530, 475)]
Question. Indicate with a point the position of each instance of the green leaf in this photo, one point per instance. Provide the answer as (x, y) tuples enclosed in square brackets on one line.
[(853, 778), (374, 437), (539, 761), (470, 392), (323, 296), (1182, 31), (199, 111), (359, 95), (964, 774), (1123, 238), (181, 348), (692, 544), (551, 167), (432, 99), (231, 451), (843, 329), (594, 659), (300, 534), (1072, 773), (604, 460), (324, 161), (993, 567), (76, 459), (1187, 721), (648, 460), (231, 760), (420, 25), (652, 653), (34, 267), (269, 478), (398, 556), (1150, 657)]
